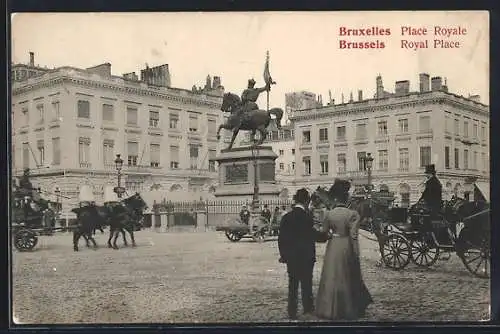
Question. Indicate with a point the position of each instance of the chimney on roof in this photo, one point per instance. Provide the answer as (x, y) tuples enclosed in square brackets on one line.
[(436, 83), (424, 82), (103, 70), (475, 98), (131, 76), (380, 87), (351, 99), (360, 95), (32, 59), (402, 87)]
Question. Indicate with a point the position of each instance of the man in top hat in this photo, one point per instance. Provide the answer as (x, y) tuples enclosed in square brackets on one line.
[(250, 95), (296, 242), (432, 194), (25, 185)]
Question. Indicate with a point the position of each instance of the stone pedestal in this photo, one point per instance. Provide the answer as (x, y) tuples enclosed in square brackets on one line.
[(237, 172)]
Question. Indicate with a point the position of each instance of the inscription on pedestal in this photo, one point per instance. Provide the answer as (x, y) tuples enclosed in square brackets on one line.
[(267, 172), (236, 174)]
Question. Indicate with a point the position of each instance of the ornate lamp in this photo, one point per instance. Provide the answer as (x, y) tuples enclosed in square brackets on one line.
[(119, 164)]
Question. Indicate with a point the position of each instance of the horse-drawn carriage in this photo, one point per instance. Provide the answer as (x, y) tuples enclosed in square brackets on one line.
[(235, 229), (31, 216), (414, 235)]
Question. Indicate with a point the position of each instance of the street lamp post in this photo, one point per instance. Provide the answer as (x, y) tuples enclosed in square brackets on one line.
[(119, 165), (255, 199), (369, 165), (58, 198)]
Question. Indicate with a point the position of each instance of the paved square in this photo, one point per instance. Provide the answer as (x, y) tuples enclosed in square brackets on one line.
[(188, 277)]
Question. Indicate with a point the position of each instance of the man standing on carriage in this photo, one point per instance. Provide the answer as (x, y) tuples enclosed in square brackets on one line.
[(432, 195)]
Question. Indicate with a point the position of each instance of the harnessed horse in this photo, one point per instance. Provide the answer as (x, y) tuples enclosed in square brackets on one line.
[(122, 217)]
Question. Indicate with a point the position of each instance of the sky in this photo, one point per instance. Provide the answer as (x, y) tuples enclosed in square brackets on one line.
[(303, 46)]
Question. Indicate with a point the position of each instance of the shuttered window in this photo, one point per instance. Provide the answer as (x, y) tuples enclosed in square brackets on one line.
[(154, 155), (174, 157), (131, 116)]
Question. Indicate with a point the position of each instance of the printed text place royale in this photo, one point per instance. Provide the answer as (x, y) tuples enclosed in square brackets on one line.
[(438, 31)]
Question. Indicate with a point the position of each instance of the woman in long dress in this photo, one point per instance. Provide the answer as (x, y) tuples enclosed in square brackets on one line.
[(342, 294)]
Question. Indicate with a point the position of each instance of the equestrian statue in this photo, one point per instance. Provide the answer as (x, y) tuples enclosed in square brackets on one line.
[(245, 113)]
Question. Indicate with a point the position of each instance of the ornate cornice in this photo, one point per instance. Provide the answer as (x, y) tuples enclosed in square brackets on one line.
[(366, 107), (141, 91)]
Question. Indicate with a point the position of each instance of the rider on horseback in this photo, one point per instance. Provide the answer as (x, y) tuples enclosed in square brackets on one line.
[(249, 97)]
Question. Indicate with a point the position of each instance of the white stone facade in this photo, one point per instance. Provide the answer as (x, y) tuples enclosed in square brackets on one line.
[(69, 124), (403, 132)]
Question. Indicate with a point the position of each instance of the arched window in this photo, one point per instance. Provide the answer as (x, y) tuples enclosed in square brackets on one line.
[(176, 187), (384, 188), (156, 186)]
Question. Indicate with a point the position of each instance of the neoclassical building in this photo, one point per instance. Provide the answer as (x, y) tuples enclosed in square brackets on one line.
[(403, 131), (68, 125)]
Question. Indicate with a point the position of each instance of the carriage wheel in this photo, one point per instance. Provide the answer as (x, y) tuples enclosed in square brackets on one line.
[(423, 253), (396, 252), (25, 240), (259, 236), (234, 236), (476, 258)]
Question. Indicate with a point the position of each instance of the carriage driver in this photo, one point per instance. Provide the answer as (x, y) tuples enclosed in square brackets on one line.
[(432, 194)]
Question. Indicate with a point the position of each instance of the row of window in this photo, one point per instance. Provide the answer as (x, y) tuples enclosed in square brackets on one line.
[(132, 157), (108, 115), (381, 161), (465, 127), (382, 130), (468, 156), (40, 113), (282, 152)]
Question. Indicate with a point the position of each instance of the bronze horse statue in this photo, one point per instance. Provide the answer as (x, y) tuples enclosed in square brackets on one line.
[(254, 120)]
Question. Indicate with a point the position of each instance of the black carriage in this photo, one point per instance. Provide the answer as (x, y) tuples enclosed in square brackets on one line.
[(414, 235), (31, 216)]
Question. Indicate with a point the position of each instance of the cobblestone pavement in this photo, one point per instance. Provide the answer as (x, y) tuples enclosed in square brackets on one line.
[(202, 277)]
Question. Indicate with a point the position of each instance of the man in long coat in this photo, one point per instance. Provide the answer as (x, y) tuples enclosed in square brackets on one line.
[(433, 192), (297, 248)]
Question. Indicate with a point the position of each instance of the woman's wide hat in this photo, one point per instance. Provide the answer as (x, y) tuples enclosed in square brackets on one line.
[(430, 169), (339, 188)]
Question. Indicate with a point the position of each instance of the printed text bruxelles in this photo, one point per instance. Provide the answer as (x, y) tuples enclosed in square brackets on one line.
[(371, 32)]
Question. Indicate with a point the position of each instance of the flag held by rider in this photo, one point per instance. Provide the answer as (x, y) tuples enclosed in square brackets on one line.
[(267, 76)]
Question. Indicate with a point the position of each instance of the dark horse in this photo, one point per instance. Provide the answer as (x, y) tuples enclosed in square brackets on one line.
[(255, 120), (124, 216)]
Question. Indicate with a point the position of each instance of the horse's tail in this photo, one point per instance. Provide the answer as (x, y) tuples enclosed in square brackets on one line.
[(278, 112)]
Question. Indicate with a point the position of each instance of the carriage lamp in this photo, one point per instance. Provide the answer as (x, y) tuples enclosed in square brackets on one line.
[(119, 165)]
